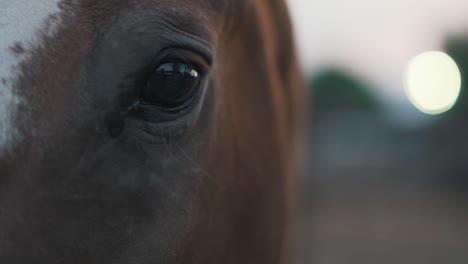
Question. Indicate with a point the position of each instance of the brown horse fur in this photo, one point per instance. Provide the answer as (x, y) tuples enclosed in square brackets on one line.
[(247, 208), (218, 189)]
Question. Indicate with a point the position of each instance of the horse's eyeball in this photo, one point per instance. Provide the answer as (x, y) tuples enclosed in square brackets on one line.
[(171, 86)]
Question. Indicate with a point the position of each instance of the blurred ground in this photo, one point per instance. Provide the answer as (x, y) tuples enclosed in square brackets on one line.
[(386, 220), (383, 196)]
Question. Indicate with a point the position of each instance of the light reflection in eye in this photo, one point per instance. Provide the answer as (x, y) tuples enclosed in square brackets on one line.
[(433, 82)]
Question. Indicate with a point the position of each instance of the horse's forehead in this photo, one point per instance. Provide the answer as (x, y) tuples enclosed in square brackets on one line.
[(20, 21)]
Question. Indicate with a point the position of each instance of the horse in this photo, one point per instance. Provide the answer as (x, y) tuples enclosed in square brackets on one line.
[(148, 131)]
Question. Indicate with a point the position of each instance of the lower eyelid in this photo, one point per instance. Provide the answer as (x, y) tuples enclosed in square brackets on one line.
[(153, 125), (157, 114)]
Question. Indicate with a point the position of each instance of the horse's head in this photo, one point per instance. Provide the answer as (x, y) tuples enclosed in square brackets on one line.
[(147, 131)]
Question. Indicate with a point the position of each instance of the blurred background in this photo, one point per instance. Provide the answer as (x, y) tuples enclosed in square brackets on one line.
[(387, 175)]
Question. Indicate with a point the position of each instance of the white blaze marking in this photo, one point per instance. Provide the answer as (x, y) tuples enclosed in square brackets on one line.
[(20, 20)]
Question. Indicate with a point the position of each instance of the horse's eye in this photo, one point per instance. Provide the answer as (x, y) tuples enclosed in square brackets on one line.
[(171, 86)]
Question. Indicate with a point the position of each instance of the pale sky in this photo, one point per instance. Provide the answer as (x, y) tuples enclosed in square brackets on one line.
[(374, 38)]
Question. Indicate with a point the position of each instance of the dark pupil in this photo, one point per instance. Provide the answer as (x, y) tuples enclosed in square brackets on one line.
[(172, 85)]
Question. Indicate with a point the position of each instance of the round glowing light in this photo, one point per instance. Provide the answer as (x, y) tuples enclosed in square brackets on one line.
[(433, 82)]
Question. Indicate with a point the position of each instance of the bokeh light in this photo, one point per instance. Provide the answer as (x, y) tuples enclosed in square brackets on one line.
[(433, 82)]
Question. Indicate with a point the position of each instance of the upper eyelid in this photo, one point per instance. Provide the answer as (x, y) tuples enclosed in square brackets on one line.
[(185, 55), (190, 41)]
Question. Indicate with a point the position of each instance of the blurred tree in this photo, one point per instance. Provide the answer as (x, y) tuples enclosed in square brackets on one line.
[(334, 90)]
